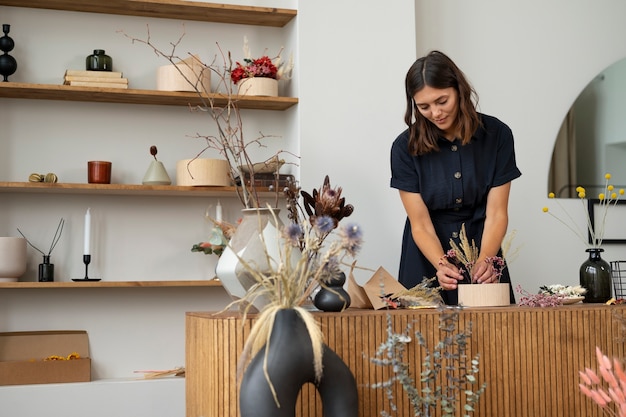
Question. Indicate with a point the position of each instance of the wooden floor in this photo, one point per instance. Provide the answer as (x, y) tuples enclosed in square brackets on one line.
[(529, 357)]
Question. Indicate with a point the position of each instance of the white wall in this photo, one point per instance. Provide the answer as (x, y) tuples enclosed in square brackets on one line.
[(528, 61)]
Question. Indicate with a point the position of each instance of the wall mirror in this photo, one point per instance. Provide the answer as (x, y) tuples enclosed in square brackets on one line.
[(592, 138)]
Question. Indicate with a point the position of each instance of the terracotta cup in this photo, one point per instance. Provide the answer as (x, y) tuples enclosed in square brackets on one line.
[(99, 172)]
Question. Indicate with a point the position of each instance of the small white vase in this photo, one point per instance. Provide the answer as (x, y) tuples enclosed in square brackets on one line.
[(258, 86), (13, 260), (156, 175)]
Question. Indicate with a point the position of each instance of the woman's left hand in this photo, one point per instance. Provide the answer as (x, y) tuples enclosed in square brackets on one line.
[(483, 273)]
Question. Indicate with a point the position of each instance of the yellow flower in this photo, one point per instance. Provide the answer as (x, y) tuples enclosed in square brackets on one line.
[(595, 231)]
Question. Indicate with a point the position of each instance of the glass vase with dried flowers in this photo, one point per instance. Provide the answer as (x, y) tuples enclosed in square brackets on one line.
[(595, 272)]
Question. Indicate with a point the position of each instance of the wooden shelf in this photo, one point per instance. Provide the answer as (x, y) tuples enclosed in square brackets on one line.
[(110, 284), (132, 96), (123, 189), (169, 9)]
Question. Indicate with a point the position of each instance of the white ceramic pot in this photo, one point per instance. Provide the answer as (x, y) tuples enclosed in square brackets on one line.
[(13, 260)]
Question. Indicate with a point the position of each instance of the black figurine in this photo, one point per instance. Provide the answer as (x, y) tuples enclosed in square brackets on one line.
[(8, 64)]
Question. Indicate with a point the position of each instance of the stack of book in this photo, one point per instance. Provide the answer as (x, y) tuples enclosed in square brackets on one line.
[(83, 78)]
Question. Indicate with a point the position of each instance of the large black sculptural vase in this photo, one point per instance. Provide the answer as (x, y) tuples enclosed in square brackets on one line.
[(290, 366)]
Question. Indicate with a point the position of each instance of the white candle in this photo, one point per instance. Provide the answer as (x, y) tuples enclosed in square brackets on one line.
[(87, 231), (218, 212)]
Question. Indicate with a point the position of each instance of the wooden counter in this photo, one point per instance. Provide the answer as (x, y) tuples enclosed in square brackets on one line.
[(529, 357)]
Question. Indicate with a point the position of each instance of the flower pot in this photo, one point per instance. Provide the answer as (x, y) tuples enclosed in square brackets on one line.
[(484, 295), (202, 172), (258, 86), (13, 259)]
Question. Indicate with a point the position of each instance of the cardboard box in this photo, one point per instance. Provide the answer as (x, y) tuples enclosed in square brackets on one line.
[(22, 357)]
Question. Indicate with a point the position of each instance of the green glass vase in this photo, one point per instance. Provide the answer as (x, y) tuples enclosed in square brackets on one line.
[(99, 61)]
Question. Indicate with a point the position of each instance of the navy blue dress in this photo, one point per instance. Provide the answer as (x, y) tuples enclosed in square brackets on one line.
[(454, 184)]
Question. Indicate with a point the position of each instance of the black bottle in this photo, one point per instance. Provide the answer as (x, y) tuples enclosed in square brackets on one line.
[(99, 61)]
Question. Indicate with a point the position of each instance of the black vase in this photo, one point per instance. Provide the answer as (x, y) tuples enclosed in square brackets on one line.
[(8, 64), (332, 296), (46, 270), (595, 277), (289, 367)]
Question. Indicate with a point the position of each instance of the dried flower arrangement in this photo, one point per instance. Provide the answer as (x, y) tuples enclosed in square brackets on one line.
[(306, 257), (607, 198), (264, 67), (465, 255), (229, 141), (610, 389), (447, 378)]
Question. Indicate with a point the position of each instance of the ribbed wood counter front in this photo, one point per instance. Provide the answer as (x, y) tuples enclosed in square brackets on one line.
[(529, 357)]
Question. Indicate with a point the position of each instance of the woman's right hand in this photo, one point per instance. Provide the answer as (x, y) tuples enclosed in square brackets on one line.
[(448, 276)]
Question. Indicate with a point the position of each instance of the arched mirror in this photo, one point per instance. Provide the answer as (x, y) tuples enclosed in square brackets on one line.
[(592, 138)]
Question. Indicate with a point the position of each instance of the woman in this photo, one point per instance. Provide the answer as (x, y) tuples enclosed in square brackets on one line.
[(453, 166)]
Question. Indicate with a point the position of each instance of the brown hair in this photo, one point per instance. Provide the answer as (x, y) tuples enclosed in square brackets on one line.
[(436, 70)]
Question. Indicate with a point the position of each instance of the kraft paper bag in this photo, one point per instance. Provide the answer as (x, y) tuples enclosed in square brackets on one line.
[(382, 282), (358, 297)]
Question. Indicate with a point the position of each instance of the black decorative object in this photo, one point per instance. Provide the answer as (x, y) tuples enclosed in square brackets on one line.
[(289, 365), (8, 64), (332, 296), (99, 61), (595, 277), (86, 261), (46, 270)]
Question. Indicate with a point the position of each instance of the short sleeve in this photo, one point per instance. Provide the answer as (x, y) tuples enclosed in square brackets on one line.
[(404, 175), (506, 166)]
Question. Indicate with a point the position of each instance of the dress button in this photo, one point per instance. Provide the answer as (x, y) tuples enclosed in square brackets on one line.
[(458, 200), (453, 148), (455, 235), (457, 175)]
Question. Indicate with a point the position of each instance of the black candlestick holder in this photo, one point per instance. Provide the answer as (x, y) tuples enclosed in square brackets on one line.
[(86, 261)]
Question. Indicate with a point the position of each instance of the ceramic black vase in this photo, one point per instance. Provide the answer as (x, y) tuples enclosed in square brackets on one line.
[(289, 367), (8, 64), (333, 297), (595, 277)]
